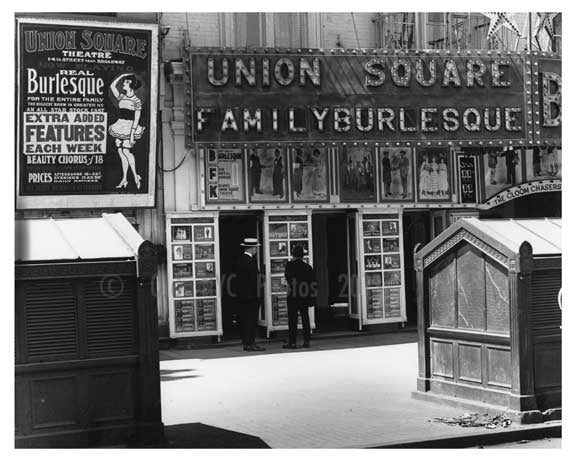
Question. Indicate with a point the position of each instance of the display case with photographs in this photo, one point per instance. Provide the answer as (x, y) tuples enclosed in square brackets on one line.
[(193, 276), (383, 268), (283, 232)]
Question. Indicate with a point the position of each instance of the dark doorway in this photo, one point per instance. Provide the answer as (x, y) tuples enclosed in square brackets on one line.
[(416, 231), (234, 228), (331, 264)]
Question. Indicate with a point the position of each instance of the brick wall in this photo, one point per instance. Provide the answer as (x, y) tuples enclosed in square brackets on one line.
[(204, 29)]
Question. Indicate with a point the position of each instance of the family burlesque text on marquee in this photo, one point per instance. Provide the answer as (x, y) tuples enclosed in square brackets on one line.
[(442, 80)]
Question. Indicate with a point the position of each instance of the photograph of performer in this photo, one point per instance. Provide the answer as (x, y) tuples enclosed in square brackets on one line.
[(255, 172), (278, 175), (319, 186), (512, 159), (404, 167), (298, 171), (386, 173), (127, 129)]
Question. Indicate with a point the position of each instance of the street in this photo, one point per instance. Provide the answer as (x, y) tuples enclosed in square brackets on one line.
[(337, 394)]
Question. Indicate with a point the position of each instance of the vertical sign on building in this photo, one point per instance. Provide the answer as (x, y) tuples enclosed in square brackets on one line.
[(86, 118), (467, 178)]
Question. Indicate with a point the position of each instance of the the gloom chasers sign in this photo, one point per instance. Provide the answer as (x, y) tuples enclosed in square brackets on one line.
[(361, 95), (86, 116)]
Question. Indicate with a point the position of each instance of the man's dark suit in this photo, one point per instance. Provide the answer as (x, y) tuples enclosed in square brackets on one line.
[(248, 296), (301, 282)]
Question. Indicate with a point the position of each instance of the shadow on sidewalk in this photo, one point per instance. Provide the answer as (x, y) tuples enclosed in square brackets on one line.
[(198, 435), (320, 342)]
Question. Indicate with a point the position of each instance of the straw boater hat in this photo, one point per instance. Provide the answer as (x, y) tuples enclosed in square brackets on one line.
[(250, 242)]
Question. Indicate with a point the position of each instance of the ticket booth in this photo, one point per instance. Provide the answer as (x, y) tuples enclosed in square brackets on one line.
[(87, 366), (489, 319)]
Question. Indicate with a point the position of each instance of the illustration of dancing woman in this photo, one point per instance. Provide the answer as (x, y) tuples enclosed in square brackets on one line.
[(127, 129)]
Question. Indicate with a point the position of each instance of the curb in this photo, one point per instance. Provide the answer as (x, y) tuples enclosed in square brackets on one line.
[(552, 430)]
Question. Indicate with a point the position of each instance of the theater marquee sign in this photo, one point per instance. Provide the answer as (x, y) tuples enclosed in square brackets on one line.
[(408, 98), (87, 97)]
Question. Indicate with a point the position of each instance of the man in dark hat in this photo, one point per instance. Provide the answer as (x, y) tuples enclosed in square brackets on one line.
[(301, 283), (248, 293)]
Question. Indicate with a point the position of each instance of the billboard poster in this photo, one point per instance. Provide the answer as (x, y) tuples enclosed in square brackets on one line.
[(357, 174), (433, 168), (86, 113), (225, 176), (267, 175), (502, 169), (309, 169), (396, 174)]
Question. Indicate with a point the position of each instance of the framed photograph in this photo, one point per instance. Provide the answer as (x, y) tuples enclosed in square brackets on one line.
[(357, 174), (298, 230), (302, 243), (183, 289), (309, 174), (372, 245), (184, 270), (502, 169), (205, 288), (373, 262), (371, 228), (396, 174), (433, 175), (373, 279), (278, 284), (389, 227), (267, 175), (278, 230), (203, 233), (390, 245), (392, 261), (277, 266), (392, 278), (204, 251), (279, 249), (543, 163), (181, 252), (181, 233), (205, 270)]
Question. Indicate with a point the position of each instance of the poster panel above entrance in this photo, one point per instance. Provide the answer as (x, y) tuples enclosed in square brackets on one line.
[(242, 96), (86, 113)]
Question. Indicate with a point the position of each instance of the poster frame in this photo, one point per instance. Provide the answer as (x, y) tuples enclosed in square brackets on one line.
[(108, 200)]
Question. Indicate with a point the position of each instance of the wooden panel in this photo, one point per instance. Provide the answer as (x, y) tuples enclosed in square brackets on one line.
[(497, 298), (498, 367), (51, 321), (471, 288), (110, 317), (54, 402), (442, 294), (545, 310), (442, 359), (548, 365), (111, 396), (470, 363)]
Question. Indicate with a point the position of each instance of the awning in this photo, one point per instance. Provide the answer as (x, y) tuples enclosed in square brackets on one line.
[(544, 235), (108, 237)]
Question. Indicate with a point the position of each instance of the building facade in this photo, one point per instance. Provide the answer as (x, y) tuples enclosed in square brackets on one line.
[(357, 135)]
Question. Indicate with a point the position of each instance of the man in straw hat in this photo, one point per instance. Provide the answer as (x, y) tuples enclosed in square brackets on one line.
[(248, 293)]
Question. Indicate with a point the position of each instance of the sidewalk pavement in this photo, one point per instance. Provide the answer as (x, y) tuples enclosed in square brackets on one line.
[(350, 392)]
